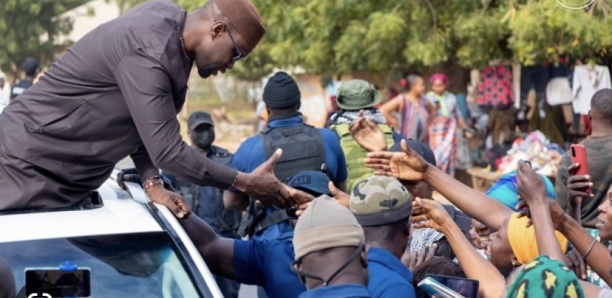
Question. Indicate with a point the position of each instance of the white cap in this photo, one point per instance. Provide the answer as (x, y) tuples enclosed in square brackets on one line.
[(2, 75)]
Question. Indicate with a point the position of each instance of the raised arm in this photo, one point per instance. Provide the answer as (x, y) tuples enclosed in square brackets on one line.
[(217, 252), (531, 188), (147, 89), (431, 214), (234, 200), (596, 255), (408, 165), (474, 203)]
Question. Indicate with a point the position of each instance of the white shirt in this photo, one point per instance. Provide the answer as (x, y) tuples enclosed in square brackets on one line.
[(587, 81)]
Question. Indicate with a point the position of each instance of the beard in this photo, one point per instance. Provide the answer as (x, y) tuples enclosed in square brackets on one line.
[(205, 72)]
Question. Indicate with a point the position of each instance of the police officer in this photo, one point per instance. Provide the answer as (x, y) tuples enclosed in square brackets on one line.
[(30, 69)]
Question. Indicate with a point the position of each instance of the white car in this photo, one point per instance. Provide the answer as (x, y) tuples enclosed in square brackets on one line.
[(121, 246)]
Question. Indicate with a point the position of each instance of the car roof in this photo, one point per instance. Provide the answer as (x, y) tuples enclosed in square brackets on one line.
[(119, 214)]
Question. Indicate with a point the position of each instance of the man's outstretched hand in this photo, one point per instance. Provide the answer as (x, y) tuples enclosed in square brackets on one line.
[(175, 202), (339, 196), (262, 185), (367, 134), (407, 165)]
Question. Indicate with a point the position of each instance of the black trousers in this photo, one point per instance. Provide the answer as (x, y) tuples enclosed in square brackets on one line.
[(534, 77)]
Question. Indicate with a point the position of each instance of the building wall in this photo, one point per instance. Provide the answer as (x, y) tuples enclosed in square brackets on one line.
[(103, 11)]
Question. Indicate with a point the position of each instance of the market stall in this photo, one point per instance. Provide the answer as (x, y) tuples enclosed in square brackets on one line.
[(536, 148)]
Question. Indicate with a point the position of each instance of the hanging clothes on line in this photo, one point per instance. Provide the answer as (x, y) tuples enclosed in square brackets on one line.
[(586, 81)]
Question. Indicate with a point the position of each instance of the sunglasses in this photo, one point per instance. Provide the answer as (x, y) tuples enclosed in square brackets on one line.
[(239, 54)]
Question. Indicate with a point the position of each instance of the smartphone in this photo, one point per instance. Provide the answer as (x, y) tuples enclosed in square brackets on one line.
[(437, 290), (468, 288), (58, 283), (578, 153)]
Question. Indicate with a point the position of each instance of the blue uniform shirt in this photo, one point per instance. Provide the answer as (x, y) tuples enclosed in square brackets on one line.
[(338, 291), (251, 154), (388, 276), (267, 263)]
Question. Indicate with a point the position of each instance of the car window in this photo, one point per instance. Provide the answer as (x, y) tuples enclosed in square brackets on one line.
[(133, 265)]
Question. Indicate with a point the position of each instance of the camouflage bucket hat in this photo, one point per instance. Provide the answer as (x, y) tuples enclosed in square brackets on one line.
[(356, 95), (380, 200)]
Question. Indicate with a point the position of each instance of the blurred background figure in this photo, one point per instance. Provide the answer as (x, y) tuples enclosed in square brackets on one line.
[(415, 112), (30, 70), (3, 101), (443, 128)]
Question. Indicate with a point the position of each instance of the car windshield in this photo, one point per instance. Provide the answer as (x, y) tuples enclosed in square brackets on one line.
[(126, 265)]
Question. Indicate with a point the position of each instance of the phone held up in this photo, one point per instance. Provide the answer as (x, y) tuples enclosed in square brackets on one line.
[(578, 154)]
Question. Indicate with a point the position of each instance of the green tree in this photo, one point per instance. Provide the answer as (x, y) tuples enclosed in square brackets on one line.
[(30, 28), (332, 37), (342, 36)]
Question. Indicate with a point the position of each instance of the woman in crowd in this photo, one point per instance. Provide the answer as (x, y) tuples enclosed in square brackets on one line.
[(443, 128), (415, 112), (542, 276), (511, 246)]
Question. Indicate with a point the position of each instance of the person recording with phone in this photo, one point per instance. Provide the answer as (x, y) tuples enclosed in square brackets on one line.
[(572, 184)]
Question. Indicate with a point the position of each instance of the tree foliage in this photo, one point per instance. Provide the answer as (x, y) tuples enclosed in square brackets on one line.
[(332, 37), (342, 36), (30, 28)]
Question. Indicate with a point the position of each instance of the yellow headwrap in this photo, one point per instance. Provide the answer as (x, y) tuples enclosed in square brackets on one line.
[(523, 240)]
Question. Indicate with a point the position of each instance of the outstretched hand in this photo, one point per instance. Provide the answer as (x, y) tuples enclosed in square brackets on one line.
[(339, 196), (173, 201), (367, 134), (262, 185), (430, 214), (406, 165), (416, 258), (531, 186)]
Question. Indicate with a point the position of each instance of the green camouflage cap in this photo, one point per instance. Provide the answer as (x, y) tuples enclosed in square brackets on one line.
[(380, 200)]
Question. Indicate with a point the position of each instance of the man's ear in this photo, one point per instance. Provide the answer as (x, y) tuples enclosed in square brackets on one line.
[(217, 29), (298, 267), (408, 224), (364, 259)]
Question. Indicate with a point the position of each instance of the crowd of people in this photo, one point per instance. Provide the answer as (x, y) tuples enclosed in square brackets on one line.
[(299, 211), (525, 237)]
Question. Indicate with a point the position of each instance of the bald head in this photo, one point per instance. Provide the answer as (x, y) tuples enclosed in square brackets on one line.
[(241, 16), (601, 106)]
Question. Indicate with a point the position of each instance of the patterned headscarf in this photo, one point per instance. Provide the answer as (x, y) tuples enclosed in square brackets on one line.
[(506, 192), (545, 277)]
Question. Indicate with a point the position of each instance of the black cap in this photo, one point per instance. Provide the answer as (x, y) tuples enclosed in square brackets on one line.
[(29, 66), (281, 92), (420, 148), (313, 182), (198, 118)]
